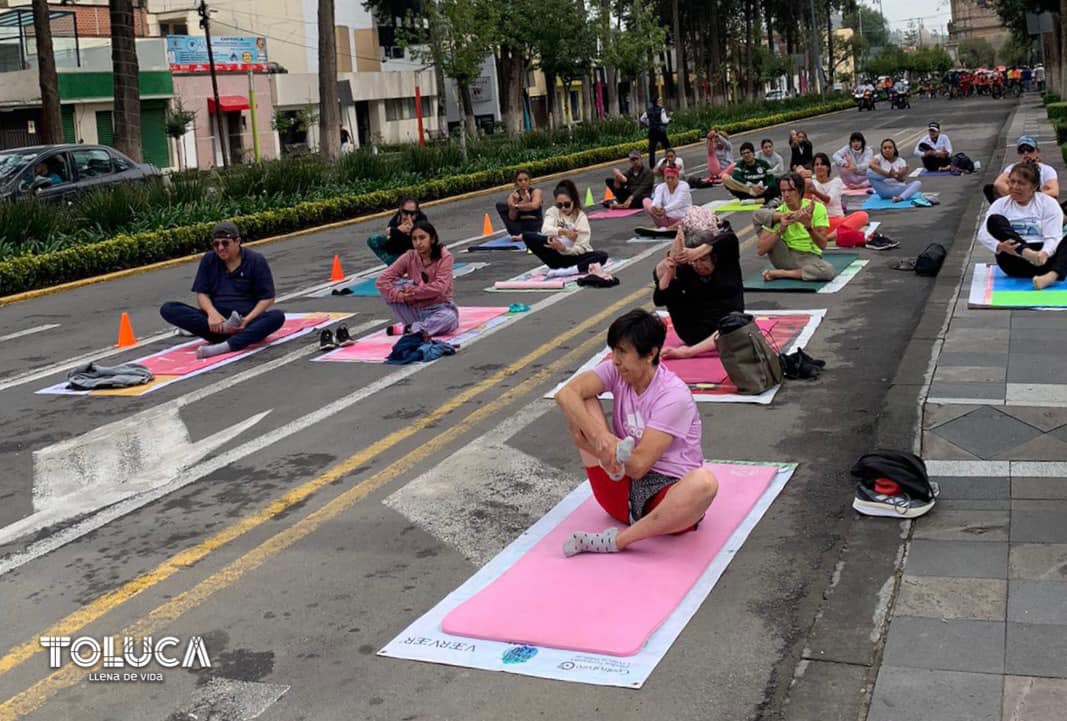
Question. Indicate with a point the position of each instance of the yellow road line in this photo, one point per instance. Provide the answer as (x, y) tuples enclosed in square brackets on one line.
[(113, 599)]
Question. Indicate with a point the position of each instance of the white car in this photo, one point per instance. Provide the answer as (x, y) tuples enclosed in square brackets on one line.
[(775, 95)]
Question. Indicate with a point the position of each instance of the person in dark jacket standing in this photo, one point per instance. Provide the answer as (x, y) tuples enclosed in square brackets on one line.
[(656, 119)]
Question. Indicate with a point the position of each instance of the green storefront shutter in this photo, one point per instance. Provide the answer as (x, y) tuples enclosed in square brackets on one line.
[(154, 146), (105, 129), (68, 124)]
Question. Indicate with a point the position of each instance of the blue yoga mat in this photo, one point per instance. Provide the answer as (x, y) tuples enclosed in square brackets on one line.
[(504, 242), (876, 203), (366, 289)]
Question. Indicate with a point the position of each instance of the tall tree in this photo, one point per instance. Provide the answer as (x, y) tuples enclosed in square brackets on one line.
[(127, 111), (564, 50), (329, 107), (50, 131), (681, 66)]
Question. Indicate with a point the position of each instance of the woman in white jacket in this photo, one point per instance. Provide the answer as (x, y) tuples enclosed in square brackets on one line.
[(852, 162), (669, 201), (564, 238), (1024, 230)]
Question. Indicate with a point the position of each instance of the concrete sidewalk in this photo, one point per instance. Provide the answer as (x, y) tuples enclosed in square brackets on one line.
[(979, 622)]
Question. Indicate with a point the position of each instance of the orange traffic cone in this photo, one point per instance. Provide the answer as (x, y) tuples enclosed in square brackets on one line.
[(608, 195), (336, 273), (487, 226), (126, 336)]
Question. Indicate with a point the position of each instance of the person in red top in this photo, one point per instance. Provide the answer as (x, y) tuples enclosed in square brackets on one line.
[(418, 286)]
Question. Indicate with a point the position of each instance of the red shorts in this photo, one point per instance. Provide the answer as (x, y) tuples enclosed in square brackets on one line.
[(614, 496)]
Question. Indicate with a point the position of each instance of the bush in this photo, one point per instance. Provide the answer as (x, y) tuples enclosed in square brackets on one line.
[(1050, 98), (1060, 128), (1057, 111), (1063, 149)]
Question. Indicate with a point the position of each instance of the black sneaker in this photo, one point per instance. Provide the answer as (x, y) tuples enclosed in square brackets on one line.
[(342, 337), (882, 242), (870, 503), (326, 341)]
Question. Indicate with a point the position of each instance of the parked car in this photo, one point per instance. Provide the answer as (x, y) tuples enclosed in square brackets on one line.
[(774, 95), (65, 172)]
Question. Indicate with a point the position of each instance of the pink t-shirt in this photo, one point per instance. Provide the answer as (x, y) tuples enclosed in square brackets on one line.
[(667, 405)]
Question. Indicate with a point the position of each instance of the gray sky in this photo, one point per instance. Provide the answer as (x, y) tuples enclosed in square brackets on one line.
[(934, 13)]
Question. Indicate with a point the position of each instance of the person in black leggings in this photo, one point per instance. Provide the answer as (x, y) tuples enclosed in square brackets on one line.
[(564, 238)]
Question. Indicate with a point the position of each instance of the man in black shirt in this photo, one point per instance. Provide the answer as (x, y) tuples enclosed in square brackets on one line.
[(632, 187), (699, 282)]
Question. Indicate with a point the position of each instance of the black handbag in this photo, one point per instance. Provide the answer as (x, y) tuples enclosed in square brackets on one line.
[(930, 260), (905, 469)]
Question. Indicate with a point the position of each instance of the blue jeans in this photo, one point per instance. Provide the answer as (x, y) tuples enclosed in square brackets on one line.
[(890, 189), (194, 321)]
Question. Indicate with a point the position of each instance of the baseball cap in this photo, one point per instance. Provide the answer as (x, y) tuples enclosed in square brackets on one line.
[(634, 155), (1026, 140), (934, 125), (225, 229)]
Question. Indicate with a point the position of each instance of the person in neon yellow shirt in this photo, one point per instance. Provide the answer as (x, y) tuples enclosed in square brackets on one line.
[(794, 234)]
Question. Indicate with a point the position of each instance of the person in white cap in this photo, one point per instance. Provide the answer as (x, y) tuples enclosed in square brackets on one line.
[(1028, 151), (935, 149)]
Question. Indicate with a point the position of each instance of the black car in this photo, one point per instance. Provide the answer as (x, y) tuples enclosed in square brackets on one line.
[(65, 172)]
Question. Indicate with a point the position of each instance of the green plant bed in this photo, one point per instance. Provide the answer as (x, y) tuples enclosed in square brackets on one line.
[(1063, 150), (1060, 128), (60, 244), (1050, 98), (1057, 111)]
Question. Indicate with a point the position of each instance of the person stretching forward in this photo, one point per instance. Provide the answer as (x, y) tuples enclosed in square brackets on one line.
[(663, 486)]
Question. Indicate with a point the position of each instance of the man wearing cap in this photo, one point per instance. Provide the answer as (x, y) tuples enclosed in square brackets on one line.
[(632, 187), (234, 294), (935, 149), (1028, 152)]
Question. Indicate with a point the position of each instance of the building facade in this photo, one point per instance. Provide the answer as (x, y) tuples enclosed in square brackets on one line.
[(976, 19)]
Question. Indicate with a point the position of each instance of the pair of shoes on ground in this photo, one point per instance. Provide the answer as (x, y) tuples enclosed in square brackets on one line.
[(871, 503), (882, 242), (328, 340)]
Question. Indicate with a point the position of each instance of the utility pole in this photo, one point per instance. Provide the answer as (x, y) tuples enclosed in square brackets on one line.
[(205, 23)]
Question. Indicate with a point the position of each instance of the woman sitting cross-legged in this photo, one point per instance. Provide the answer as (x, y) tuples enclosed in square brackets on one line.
[(699, 282), (522, 209), (887, 172), (418, 286), (852, 161), (828, 191), (793, 235), (1024, 230), (669, 201), (397, 237), (646, 468), (564, 238)]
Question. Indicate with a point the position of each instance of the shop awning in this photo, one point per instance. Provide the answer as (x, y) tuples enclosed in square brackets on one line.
[(228, 103)]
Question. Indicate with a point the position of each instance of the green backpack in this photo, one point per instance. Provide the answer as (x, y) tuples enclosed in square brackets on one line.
[(750, 361)]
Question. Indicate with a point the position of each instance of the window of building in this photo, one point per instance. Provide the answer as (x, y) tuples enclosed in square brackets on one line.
[(173, 28), (400, 109)]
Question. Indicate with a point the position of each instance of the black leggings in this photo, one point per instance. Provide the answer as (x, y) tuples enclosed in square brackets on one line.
[(933, 163), (622, 195), (768, 194), (1016, 267), (656, 136), (538, 245), (521, 224)]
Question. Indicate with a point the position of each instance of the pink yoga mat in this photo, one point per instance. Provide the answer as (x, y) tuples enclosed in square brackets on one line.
[(855, 191), (182, 360), (704, 368), (616, 213), (605, 603), (375, 348), (554, 284)]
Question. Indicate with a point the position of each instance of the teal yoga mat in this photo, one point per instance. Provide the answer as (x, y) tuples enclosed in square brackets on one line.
[(840, 261), (366, 288)]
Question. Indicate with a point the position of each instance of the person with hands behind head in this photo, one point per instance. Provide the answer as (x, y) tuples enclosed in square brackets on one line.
[(521, 211), (646, 469), (397, 238), (793, 235), (418, 286)]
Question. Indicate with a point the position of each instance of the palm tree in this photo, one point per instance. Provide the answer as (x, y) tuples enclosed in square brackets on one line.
[(51, 130), (127, 112), (329, 110)]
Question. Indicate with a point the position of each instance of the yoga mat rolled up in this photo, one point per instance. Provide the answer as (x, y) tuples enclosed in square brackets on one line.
[(529, 284)]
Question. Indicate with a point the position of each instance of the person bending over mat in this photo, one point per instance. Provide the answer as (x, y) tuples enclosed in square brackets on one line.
[(828, 191), (234, 294), (652, 447), (793, 236), (1024, 229), (699, 282), (522, 210), (418, 286), (887, 172), (397, 238), (564, 238)]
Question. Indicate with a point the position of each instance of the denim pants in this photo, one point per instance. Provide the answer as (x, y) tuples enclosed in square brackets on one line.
[(194, 320), (889, 189)]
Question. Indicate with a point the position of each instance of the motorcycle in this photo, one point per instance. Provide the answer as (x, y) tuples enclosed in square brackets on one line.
[(900, 100), (866, 101)]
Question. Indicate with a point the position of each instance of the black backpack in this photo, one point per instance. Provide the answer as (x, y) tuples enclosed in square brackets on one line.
[(905, 469), (930, 260), (963, 163)]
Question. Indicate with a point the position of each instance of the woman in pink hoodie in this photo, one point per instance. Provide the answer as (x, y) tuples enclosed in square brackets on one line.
[(418, 286)]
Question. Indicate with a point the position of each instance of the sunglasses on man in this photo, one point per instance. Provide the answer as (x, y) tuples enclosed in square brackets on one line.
[(1024, 149), (221, 242)]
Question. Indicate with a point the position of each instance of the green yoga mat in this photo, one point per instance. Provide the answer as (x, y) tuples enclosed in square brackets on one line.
[(839, 260), (736, 206)]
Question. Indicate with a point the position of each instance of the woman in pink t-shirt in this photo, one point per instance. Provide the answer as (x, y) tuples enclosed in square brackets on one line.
[(647, 468)]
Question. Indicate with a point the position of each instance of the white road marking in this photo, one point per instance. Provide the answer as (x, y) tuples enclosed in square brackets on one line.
[(28, 331)]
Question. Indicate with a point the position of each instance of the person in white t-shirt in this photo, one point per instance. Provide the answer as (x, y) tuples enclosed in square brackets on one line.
[(887, 172), (1024, 230), (935, 149), (828, 191), (669, 200), (670, 159), (1028, 151)]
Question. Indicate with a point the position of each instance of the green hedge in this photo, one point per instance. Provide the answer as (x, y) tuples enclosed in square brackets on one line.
[(1057, 111), (1050, 98), (1060, 128), (121, 252), (1063, 149)]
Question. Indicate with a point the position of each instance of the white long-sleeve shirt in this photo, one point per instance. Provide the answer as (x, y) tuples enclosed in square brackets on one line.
[(675, 204), (1039, 222), (862, 158), (555, 221), (942, 143)]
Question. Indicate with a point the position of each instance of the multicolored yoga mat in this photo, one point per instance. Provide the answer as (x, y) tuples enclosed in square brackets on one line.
[(991, 288)]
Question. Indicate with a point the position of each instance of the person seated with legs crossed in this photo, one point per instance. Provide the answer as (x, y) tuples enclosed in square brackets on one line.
[(632, 187), (793, 235), (646, 469), (828, 191), (935, 149), (418, 286), (699, 282), (751, 177), (522, 210), (397, 238), (669, 202), (564, 238), (1024, 230), (234, 294)]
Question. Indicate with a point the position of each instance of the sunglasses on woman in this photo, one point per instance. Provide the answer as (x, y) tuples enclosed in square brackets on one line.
[(564, 206)]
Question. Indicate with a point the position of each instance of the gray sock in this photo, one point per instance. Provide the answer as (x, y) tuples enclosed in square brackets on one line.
[(206, 351), (233, 323), (603, 542)]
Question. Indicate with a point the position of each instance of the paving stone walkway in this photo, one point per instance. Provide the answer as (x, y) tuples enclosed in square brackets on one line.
[(979, 625)]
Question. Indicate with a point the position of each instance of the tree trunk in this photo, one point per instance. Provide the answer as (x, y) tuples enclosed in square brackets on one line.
[(555, 117), (749, 87), (1059, 39), (512, 74), (714, 65), (612, 91), (679, 57), (127, 109), (467, 106), (829, 49), (587, 98), (768, 17), (50, 131), (329, 109)]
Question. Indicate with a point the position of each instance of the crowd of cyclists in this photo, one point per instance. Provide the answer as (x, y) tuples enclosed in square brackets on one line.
[(998, 82)]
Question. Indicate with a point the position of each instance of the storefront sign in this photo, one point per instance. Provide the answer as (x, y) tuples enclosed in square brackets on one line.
[(188, 54)]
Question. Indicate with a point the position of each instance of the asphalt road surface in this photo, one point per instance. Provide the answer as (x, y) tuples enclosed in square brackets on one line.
[(262, 505)]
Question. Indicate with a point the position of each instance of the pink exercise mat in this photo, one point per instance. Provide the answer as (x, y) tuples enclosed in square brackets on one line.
[(375, 348), (606, 603), (614, 213), (182, 360), (856, 191), (703, 368)]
